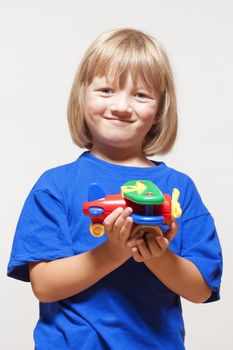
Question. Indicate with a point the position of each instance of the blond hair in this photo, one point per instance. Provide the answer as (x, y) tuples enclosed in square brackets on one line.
[(119, 52)]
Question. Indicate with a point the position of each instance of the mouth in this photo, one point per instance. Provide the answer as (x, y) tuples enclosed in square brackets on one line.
[(117, 120)]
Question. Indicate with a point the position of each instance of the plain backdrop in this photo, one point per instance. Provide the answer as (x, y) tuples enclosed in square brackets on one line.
[(42, 43)]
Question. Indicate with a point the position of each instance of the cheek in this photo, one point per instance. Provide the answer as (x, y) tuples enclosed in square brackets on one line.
[(147, 113), (95, 106)]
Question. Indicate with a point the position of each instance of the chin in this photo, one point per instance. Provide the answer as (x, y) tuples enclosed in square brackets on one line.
[(118, 143)]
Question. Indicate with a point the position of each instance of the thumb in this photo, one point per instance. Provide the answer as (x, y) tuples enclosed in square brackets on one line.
[(172, 231)]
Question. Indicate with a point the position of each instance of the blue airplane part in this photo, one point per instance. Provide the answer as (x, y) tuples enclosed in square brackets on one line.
[(147, 220), (95, 211), (149, 209), (95, 192)]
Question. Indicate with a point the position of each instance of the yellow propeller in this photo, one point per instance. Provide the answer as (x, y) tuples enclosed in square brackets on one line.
[(176, 209)]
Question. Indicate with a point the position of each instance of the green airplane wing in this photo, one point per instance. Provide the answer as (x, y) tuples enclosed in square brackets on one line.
[(142, 192)]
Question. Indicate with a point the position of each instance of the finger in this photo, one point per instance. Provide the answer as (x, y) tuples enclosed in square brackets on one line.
[(153, 245), (136, 254), (131, 243), (143, 249), (121, 220), (125, 231), (162, 242), (111, 218), (172, 231)]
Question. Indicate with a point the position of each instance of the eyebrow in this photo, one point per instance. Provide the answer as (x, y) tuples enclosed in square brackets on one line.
[(100, 82), (104, 81), (143, 88)]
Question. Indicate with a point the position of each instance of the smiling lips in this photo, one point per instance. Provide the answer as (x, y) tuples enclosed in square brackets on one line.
[(119, 120)]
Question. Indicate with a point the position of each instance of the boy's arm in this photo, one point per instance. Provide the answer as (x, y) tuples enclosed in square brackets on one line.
[(62, 278), (181, 276), (178, 274)]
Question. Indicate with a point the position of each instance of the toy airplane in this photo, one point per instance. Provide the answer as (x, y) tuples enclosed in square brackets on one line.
[(150, 207)]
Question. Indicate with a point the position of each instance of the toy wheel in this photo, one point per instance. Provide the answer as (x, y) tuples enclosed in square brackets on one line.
[(142, 230), (97, 230)]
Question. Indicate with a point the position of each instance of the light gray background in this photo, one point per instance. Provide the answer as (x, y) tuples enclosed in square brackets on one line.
[(42, 43)]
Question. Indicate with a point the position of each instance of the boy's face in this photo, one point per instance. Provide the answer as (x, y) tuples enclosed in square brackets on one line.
[(119, 118)]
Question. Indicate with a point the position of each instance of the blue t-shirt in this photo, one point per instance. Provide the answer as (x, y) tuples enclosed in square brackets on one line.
[(129, 308)]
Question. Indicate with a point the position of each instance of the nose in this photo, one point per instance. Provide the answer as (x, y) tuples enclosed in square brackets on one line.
[(121, 106)]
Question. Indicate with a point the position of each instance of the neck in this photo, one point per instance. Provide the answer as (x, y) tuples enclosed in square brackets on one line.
[(121, 156)]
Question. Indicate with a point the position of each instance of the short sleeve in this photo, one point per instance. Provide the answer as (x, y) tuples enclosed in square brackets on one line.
[(42, 233), (200, 242)]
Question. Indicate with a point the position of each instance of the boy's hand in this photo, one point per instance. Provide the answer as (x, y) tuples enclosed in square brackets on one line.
[(152, 246), (118, 227)]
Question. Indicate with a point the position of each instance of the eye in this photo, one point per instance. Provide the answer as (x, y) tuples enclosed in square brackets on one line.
[(106, 90), (142, 95)]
